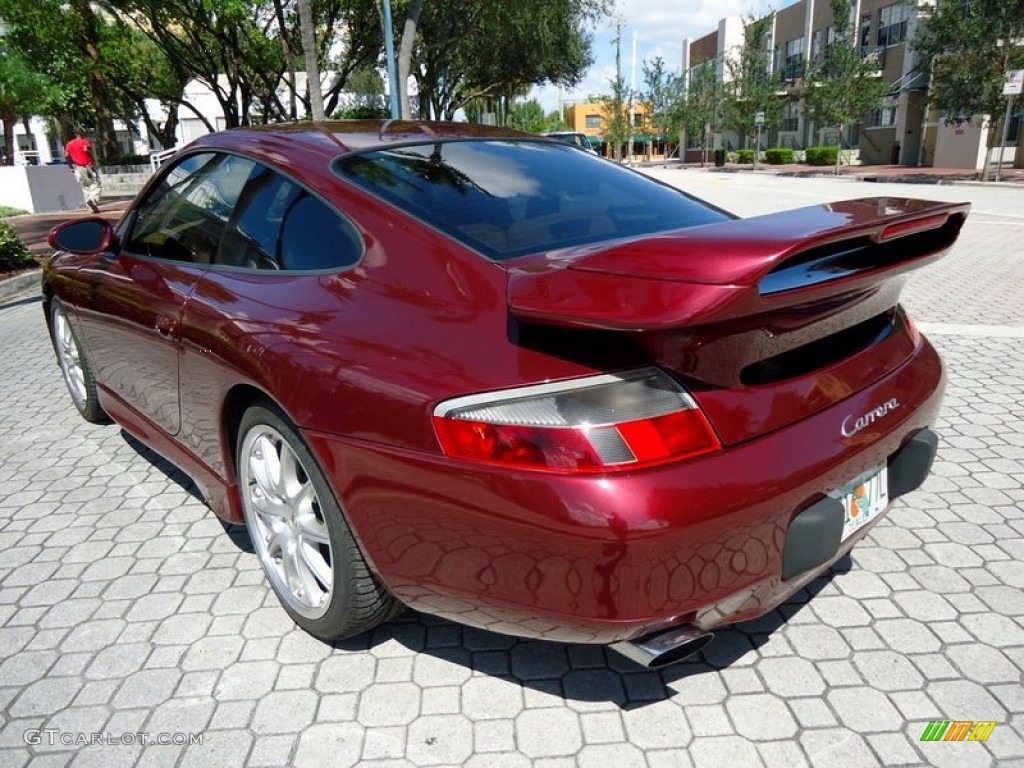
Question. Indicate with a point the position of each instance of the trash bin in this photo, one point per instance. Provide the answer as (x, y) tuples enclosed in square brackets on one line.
[(719, 158)]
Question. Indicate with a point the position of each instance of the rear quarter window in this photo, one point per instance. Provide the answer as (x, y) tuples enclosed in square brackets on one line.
[(510, 198)]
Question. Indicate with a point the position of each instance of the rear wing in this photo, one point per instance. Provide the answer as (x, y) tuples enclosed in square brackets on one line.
[(737, 268)]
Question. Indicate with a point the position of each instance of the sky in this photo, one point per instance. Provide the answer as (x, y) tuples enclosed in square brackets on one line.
[(660, 26)]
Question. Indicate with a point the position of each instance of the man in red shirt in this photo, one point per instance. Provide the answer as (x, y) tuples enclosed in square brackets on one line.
[(82, 160)]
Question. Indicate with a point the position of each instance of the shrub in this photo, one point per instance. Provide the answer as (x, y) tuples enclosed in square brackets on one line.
[(821, 155), (129, 160), (779, 156), (13, 253), (745, 156), (361, 113)]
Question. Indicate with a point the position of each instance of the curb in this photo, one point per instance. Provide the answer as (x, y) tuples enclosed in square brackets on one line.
[(20, 285)]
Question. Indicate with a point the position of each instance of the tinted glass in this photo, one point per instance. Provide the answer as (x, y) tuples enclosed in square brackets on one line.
[(280, 225), (184, 217), (510, 198)]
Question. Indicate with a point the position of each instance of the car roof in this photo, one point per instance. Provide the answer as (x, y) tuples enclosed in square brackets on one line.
[(332, 138)]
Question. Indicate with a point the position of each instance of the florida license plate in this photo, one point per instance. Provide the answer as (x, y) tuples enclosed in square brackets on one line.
[(864, 498)]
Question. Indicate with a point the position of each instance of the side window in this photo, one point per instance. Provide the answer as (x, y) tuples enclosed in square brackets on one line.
[(280, 225), (183, 218)]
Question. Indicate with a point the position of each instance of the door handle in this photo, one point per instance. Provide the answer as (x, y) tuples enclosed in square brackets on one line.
[(166, 327)]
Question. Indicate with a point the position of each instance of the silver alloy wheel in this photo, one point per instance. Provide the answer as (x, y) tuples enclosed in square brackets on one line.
[(69, 357), (286, 522)]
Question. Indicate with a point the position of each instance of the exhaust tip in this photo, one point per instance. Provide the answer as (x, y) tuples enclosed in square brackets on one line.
[(666, 647)]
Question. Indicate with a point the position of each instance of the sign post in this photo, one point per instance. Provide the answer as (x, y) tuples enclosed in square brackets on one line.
[(759, 122), (1012, 86)]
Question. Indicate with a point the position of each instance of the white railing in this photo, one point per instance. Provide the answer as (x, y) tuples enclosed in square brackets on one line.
[(156, 159)]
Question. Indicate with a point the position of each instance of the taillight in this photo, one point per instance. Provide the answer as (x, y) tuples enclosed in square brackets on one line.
[(596, 424)]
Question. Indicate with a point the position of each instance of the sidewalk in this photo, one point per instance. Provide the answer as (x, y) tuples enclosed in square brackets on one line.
[(880, 173), (34, 228)]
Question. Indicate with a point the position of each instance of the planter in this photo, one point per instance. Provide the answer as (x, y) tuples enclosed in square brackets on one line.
[(40, 188)]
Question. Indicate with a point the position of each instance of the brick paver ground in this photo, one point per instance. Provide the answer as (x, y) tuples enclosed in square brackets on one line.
[(126, 608)]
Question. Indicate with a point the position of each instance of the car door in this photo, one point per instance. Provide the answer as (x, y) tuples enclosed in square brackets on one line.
[(131, 313)]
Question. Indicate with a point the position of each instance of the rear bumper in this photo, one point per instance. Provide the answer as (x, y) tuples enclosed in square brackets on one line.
[(609, 558)]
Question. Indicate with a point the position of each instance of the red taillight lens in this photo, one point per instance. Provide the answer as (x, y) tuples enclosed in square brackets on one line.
[(597, 424)]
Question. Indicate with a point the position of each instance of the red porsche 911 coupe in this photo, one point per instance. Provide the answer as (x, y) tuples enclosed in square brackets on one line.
[(497, 379)]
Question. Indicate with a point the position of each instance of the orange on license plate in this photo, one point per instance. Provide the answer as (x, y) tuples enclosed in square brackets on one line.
[(864, 498)]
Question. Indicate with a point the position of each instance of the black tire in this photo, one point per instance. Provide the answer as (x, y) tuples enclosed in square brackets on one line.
[(74, 365), (298, 545)]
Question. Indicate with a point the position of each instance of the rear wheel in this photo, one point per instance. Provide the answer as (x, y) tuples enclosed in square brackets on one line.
[(74, 365), (299, 533)]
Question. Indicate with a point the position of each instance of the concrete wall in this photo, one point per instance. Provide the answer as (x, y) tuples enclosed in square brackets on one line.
[(40, 188), (960, 146)]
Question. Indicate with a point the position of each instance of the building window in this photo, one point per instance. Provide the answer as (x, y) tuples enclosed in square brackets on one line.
[(892, 24), (790, 116), (794, 64), (592, 122), (884, 117), (865, 30), (816, 45)]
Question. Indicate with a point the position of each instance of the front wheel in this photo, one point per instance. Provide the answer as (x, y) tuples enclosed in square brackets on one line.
[(299, 533), (74, 366)]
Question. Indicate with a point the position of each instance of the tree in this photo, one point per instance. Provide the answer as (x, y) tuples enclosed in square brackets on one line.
[(844, 86), (663, 97), (701, 111), (752, 89), (22, 94), (484, 49), (306, 24), (527, 116), (412, 18), (963, 48)]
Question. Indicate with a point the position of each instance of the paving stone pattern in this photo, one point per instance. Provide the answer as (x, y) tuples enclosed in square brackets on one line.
[(126, 608)]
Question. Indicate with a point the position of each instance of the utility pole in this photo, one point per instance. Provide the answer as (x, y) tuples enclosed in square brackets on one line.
[(617, 96)]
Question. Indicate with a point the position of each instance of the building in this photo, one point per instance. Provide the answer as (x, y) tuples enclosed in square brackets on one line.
[(589, 118), (904, 131)]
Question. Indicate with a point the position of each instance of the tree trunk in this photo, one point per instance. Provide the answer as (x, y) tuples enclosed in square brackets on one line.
[(412, 19), (839, 146), (8, 121), (106, 138), (316, 96), (289, 63)]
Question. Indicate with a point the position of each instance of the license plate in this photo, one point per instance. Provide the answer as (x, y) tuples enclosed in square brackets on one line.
[(864, 499)]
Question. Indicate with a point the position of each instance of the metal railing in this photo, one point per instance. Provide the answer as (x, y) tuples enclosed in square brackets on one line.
[(156, 159)]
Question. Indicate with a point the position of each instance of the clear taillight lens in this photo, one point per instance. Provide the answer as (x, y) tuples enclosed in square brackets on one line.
[(600, 423)]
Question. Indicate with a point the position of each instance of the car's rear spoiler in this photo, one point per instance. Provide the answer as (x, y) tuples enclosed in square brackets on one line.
[(736, 268)]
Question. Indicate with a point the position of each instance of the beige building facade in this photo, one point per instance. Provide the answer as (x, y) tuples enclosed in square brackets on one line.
[(904, 131)]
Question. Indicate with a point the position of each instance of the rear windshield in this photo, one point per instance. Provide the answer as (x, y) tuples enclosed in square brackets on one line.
[(511, 198)]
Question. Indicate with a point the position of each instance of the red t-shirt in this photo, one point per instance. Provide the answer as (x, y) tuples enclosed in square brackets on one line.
[(79, 151)]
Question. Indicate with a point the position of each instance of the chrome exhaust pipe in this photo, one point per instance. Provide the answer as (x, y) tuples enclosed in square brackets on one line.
[(666, 647)]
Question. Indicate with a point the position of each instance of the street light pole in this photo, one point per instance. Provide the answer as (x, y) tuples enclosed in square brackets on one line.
[(389, 49)]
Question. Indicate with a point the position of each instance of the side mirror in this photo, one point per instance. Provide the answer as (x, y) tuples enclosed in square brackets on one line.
[(84, 237)]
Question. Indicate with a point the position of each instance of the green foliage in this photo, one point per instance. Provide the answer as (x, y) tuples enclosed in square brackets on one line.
[(360, 113), (821, 155), (7, 211), (778, 156), (745, 156), (751, 88), (663, 97), (702, 111), (13, 253), (481, 48), (23, 92), (844, 86), (962, 49), (527, 116)]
